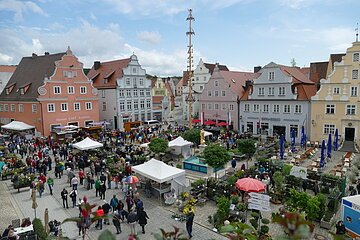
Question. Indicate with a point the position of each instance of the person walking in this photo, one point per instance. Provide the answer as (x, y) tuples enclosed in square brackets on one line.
[(50, 183), (64, 196), (40, 187), (114, 203), (132, 219), (81, 176), (73, 196), (116, 222), (97, 187), (142, 218), (189, 223), (99, 213), (102, 190), (74, 182), (106, 207)]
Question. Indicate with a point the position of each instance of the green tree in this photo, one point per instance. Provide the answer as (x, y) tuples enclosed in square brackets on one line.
[(158, 145), (216, 156), (247, 147), (192, 135)]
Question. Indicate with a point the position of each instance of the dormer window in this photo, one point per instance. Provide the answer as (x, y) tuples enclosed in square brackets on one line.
[(22, 91), (271, 76), (356, 57), (105, 80), (295, 90), (7, 91)]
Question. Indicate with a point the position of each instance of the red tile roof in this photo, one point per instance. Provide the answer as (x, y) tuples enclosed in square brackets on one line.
[(111, 71), (211, 67), (295, 72), (318, 71), (305, 91), (237, 80)]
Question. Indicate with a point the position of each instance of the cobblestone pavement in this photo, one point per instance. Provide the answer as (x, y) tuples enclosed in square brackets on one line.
[(159, 216), (8, 211)]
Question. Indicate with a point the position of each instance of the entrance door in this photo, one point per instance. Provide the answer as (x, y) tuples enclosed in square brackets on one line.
[(278, 130), (349, 134)]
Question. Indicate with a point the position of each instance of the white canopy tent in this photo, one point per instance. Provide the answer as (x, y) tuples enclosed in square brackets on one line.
[(87, 144), (17, 126), (180, 146), (160, 172), (206, 134), (145, 145)]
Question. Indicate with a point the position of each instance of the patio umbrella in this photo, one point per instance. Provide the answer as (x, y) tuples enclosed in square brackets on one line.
[(33, 198), (250, 185), (196, 121), (222, 124), (303, 137), (329, 146), (282, 146), (209, 122), (336, 140), (322, 157), (293, 140), (131, 179)]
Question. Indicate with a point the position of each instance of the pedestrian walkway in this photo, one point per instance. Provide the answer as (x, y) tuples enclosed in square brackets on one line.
[(348, 146), (159, 216)]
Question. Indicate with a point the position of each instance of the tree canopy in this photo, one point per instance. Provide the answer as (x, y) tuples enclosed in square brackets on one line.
[(246, 146), (158, 145), (192, 135), (216, 156)]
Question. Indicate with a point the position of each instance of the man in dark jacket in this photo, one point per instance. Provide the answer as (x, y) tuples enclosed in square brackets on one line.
[(142, 218), (116, 222), (132, 219), (64, 196), (106, 207), (189, 223)]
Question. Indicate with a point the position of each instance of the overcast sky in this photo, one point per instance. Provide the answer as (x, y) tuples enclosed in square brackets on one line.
[(238, 33)]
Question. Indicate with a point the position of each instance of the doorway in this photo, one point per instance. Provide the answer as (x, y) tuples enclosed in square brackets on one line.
[(349, 134), (278, 130)]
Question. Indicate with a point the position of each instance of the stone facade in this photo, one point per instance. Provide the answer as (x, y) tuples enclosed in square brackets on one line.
[(336, 104)]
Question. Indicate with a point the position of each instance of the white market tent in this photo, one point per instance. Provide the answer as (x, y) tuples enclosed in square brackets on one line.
[(206, 134), (87, 144), (179, 142), (145, 145), (160, 172), (17, 126), (180, 146)]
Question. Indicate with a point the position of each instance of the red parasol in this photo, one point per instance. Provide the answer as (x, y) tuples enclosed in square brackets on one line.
[(222, 124), (196, 121), (209, 122), (250, 185)]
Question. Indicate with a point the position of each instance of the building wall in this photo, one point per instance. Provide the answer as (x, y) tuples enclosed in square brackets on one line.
[(336, 90), (107, 106), (129, 89), (68, 73), (226, 104), (22, 111)]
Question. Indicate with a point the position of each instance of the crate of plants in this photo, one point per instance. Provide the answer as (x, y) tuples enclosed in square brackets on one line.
[(23, 181), (10, 172)]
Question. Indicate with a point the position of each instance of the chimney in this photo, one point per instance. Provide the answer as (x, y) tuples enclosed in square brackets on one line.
[(47, 53), (248, 83), (96, 65), (257, 68), (34, 55)]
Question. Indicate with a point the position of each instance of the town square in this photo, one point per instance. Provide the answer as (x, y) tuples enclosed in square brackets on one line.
[(167, 137)]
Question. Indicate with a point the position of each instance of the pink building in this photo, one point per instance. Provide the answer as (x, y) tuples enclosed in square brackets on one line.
[(221, 96), (48, 91)]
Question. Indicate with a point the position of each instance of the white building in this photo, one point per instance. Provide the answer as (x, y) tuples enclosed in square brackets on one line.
[(124, 91)]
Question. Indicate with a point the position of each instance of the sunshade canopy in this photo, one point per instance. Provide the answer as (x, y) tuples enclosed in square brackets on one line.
[(17, 126), (158, 171), (179, 142), (87, 144)]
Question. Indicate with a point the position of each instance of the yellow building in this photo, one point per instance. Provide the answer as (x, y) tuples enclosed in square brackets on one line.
[(336, 104)]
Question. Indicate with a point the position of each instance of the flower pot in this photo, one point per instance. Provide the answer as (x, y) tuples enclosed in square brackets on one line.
[(326, 224)]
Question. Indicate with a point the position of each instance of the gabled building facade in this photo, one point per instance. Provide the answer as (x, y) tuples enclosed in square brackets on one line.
[(277, 102), (201, 76), (124, 91), (49, 91), (336, 104), (220, 97)]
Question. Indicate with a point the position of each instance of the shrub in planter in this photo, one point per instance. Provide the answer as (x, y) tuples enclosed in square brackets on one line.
[(264, 230), (234, 199), (39, 229)]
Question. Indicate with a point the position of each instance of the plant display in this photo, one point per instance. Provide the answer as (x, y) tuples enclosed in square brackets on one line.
[(24, 181), (223, 210), (239, 231), (39, 229)]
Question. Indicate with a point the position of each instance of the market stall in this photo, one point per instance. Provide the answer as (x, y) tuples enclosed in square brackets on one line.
[(17, 126), (87, 144), (180, 146), (165, 178)]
